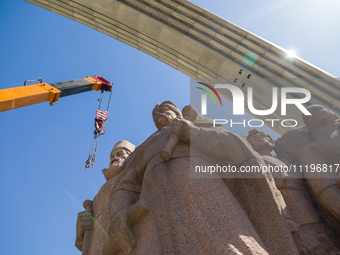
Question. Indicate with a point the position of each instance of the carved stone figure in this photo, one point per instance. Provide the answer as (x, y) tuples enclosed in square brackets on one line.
[(317, 145), (93, 223), (324, 150), (172, 213), (308, 229)]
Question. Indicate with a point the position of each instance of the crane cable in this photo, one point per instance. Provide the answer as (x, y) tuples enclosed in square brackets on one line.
[(100, 121)]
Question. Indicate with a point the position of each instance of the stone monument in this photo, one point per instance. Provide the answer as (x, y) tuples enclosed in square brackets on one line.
[(318, 145), (152, 205), (311, 234), (93, 223)]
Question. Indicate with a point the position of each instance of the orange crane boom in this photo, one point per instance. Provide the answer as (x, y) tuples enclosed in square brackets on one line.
[(12, 98)]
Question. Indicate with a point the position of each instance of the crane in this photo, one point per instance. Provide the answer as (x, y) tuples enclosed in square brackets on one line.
[(17, 97)]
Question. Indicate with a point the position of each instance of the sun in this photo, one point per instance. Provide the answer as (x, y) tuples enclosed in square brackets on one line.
[(291, 54)]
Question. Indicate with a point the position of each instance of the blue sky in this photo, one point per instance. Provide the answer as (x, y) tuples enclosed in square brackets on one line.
[(44, 149)]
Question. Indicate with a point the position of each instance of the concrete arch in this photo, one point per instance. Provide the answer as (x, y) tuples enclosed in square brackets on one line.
[(202, 46)]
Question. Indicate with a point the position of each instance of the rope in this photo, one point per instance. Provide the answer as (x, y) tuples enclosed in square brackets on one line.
[(100, 99), (91, 149), (108, 104), (95, 150), (92, 153), (97, 133)]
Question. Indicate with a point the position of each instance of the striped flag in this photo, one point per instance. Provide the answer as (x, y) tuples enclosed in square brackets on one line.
[(102, 115)]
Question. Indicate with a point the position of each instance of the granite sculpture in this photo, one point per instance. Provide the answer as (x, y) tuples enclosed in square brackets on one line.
[(311, 234), (95, 221), (154, 206), (324, 150), (318, 144)]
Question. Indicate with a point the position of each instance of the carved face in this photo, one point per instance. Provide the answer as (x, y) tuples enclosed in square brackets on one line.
[(320, 117), (260, 141), (116, 163), (163, 116)]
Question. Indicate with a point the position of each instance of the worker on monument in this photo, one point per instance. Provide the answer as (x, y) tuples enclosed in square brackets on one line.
[(310, 233), (97, 221), (177, 214)]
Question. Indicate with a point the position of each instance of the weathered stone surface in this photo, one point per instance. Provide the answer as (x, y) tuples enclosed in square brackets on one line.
[(177, 214), (318, 145), (95, 222), (292, 142), (324, 125), (299, 209), (151, 204)]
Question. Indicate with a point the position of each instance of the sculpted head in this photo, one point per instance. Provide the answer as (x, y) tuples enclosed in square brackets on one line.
[(164, 113), (260, 141), (119, 153), (321, 117)]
